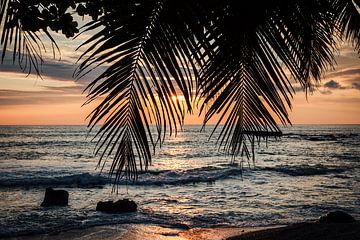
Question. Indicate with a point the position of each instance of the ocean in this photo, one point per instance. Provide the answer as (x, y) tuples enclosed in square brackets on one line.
[(311, 170)]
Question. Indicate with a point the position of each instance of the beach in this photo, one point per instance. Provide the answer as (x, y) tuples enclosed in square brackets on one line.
[(142, 231), (301, 231)]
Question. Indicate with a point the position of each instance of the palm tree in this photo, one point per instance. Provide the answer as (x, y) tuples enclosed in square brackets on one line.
[(235, 60)]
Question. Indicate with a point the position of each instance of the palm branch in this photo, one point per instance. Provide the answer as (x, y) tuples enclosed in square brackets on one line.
[(145, 71), (236, 60), (249, 82), (26, 24)]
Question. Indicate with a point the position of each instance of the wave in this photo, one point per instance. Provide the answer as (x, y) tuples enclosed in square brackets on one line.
[(321, 137), (28, 155), (59, 143), (78, 180), (305, 170), (190, 155), (38, 155), (61, 221), (198, 175), (165, 177)]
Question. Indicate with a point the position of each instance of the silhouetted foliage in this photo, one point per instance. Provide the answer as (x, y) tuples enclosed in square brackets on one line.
[(234, 59)]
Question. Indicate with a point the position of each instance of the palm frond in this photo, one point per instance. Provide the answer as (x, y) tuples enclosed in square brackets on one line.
[(258, 49), (26, 25), (146, 67), (26, 47), (348, 21)]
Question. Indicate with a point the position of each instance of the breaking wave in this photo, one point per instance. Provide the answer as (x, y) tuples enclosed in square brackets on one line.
[(321, 137), (167, 177), (76, 180), (305, 170)]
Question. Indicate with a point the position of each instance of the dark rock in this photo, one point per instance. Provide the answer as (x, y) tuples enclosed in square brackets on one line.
[(337, 217), (55, 198), (120, 206)]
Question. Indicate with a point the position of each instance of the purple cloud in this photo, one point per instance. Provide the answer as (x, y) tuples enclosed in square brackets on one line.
[(333, 85)]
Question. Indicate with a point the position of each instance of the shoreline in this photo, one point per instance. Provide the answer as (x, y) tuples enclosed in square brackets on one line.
[(145, 231), (298, 231)]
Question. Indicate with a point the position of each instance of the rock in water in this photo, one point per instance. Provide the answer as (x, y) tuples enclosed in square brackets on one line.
[(337, 217), (55, 198), (120, 206)]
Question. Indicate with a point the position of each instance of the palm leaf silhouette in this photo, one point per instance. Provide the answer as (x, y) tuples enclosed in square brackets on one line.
[(269, 39), (236, 60), (146, 70), (25, 25)]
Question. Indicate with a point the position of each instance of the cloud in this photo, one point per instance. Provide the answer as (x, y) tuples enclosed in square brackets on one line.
[(356, 85), (325, 92), (14, 97), (299, 88), (333, 85), (345, 72), (52, 68), (78, 89)]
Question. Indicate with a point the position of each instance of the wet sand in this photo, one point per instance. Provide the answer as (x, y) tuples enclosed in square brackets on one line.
[(144, 232), (308, 231)]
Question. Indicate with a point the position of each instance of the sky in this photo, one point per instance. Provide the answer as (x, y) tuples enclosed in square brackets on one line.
[(57, 98)]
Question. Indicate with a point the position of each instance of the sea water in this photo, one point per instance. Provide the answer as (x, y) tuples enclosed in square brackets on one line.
[(311, 170)]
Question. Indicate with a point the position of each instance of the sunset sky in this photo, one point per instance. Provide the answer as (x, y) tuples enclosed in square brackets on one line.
[(57, 98)]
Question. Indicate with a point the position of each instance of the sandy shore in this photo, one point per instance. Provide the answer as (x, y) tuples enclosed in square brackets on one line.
[(144, 232), (308, 231)]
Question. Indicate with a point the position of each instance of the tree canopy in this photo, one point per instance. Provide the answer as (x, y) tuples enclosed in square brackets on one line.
[(234, 60)]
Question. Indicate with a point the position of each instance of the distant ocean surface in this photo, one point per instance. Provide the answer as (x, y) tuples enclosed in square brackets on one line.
[(311, 170)]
